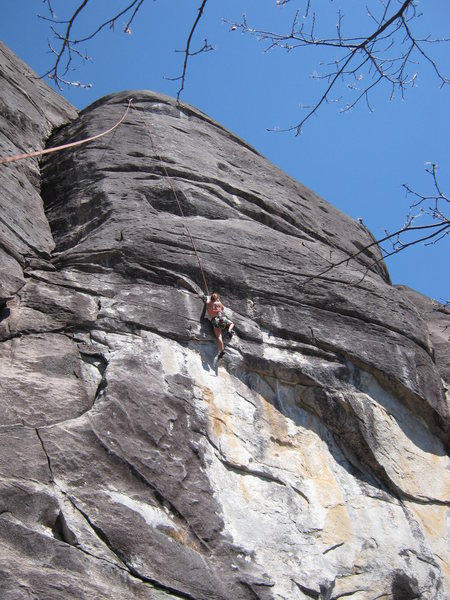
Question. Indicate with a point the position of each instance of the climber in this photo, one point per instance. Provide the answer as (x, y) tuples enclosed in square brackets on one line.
[(214, 310)]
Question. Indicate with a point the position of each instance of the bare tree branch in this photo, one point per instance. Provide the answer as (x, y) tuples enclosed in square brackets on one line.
[(382, 56), (69, 46), (430, 206), (187, 51), (443, 231), (378, 242), (66, 46)]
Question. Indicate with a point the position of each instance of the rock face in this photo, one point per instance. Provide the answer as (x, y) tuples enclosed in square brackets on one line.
[(29, 112), (310, 462), (437, 318)]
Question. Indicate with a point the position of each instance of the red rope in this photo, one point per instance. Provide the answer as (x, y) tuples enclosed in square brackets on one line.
[(172, 185), (9, 159)]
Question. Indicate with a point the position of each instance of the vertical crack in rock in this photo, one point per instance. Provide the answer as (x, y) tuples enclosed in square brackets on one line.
[(49, 462), (4, 311), (127, 566), (159, 497), (98, 531), (100, 363), (62, 532)]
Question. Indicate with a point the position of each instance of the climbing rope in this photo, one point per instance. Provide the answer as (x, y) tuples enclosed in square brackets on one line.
[(174, 191), (16, 157), (10, 159)]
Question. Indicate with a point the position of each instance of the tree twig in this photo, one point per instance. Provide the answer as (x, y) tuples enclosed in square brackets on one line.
[(187, 51), (379, 61), (69, 44), (435, 231)]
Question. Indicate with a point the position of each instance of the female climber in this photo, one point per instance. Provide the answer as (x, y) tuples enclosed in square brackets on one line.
[(214, 310)]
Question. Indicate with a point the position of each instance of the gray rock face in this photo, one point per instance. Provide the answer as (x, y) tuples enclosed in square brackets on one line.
[(310, 462), (437, 318), (29, 112)]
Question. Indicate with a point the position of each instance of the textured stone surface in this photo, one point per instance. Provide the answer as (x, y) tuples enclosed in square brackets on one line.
[(437, 318), (29, 112), (310, 462)]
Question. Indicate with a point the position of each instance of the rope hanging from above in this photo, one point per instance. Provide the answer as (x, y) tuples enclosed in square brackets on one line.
[(174, 191), (16, 157), (10, 159)]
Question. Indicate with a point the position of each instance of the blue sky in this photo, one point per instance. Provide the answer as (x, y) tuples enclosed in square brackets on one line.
[(356, 160)]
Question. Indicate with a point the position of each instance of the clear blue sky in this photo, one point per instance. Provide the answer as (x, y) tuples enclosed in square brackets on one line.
[(357, 160)]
